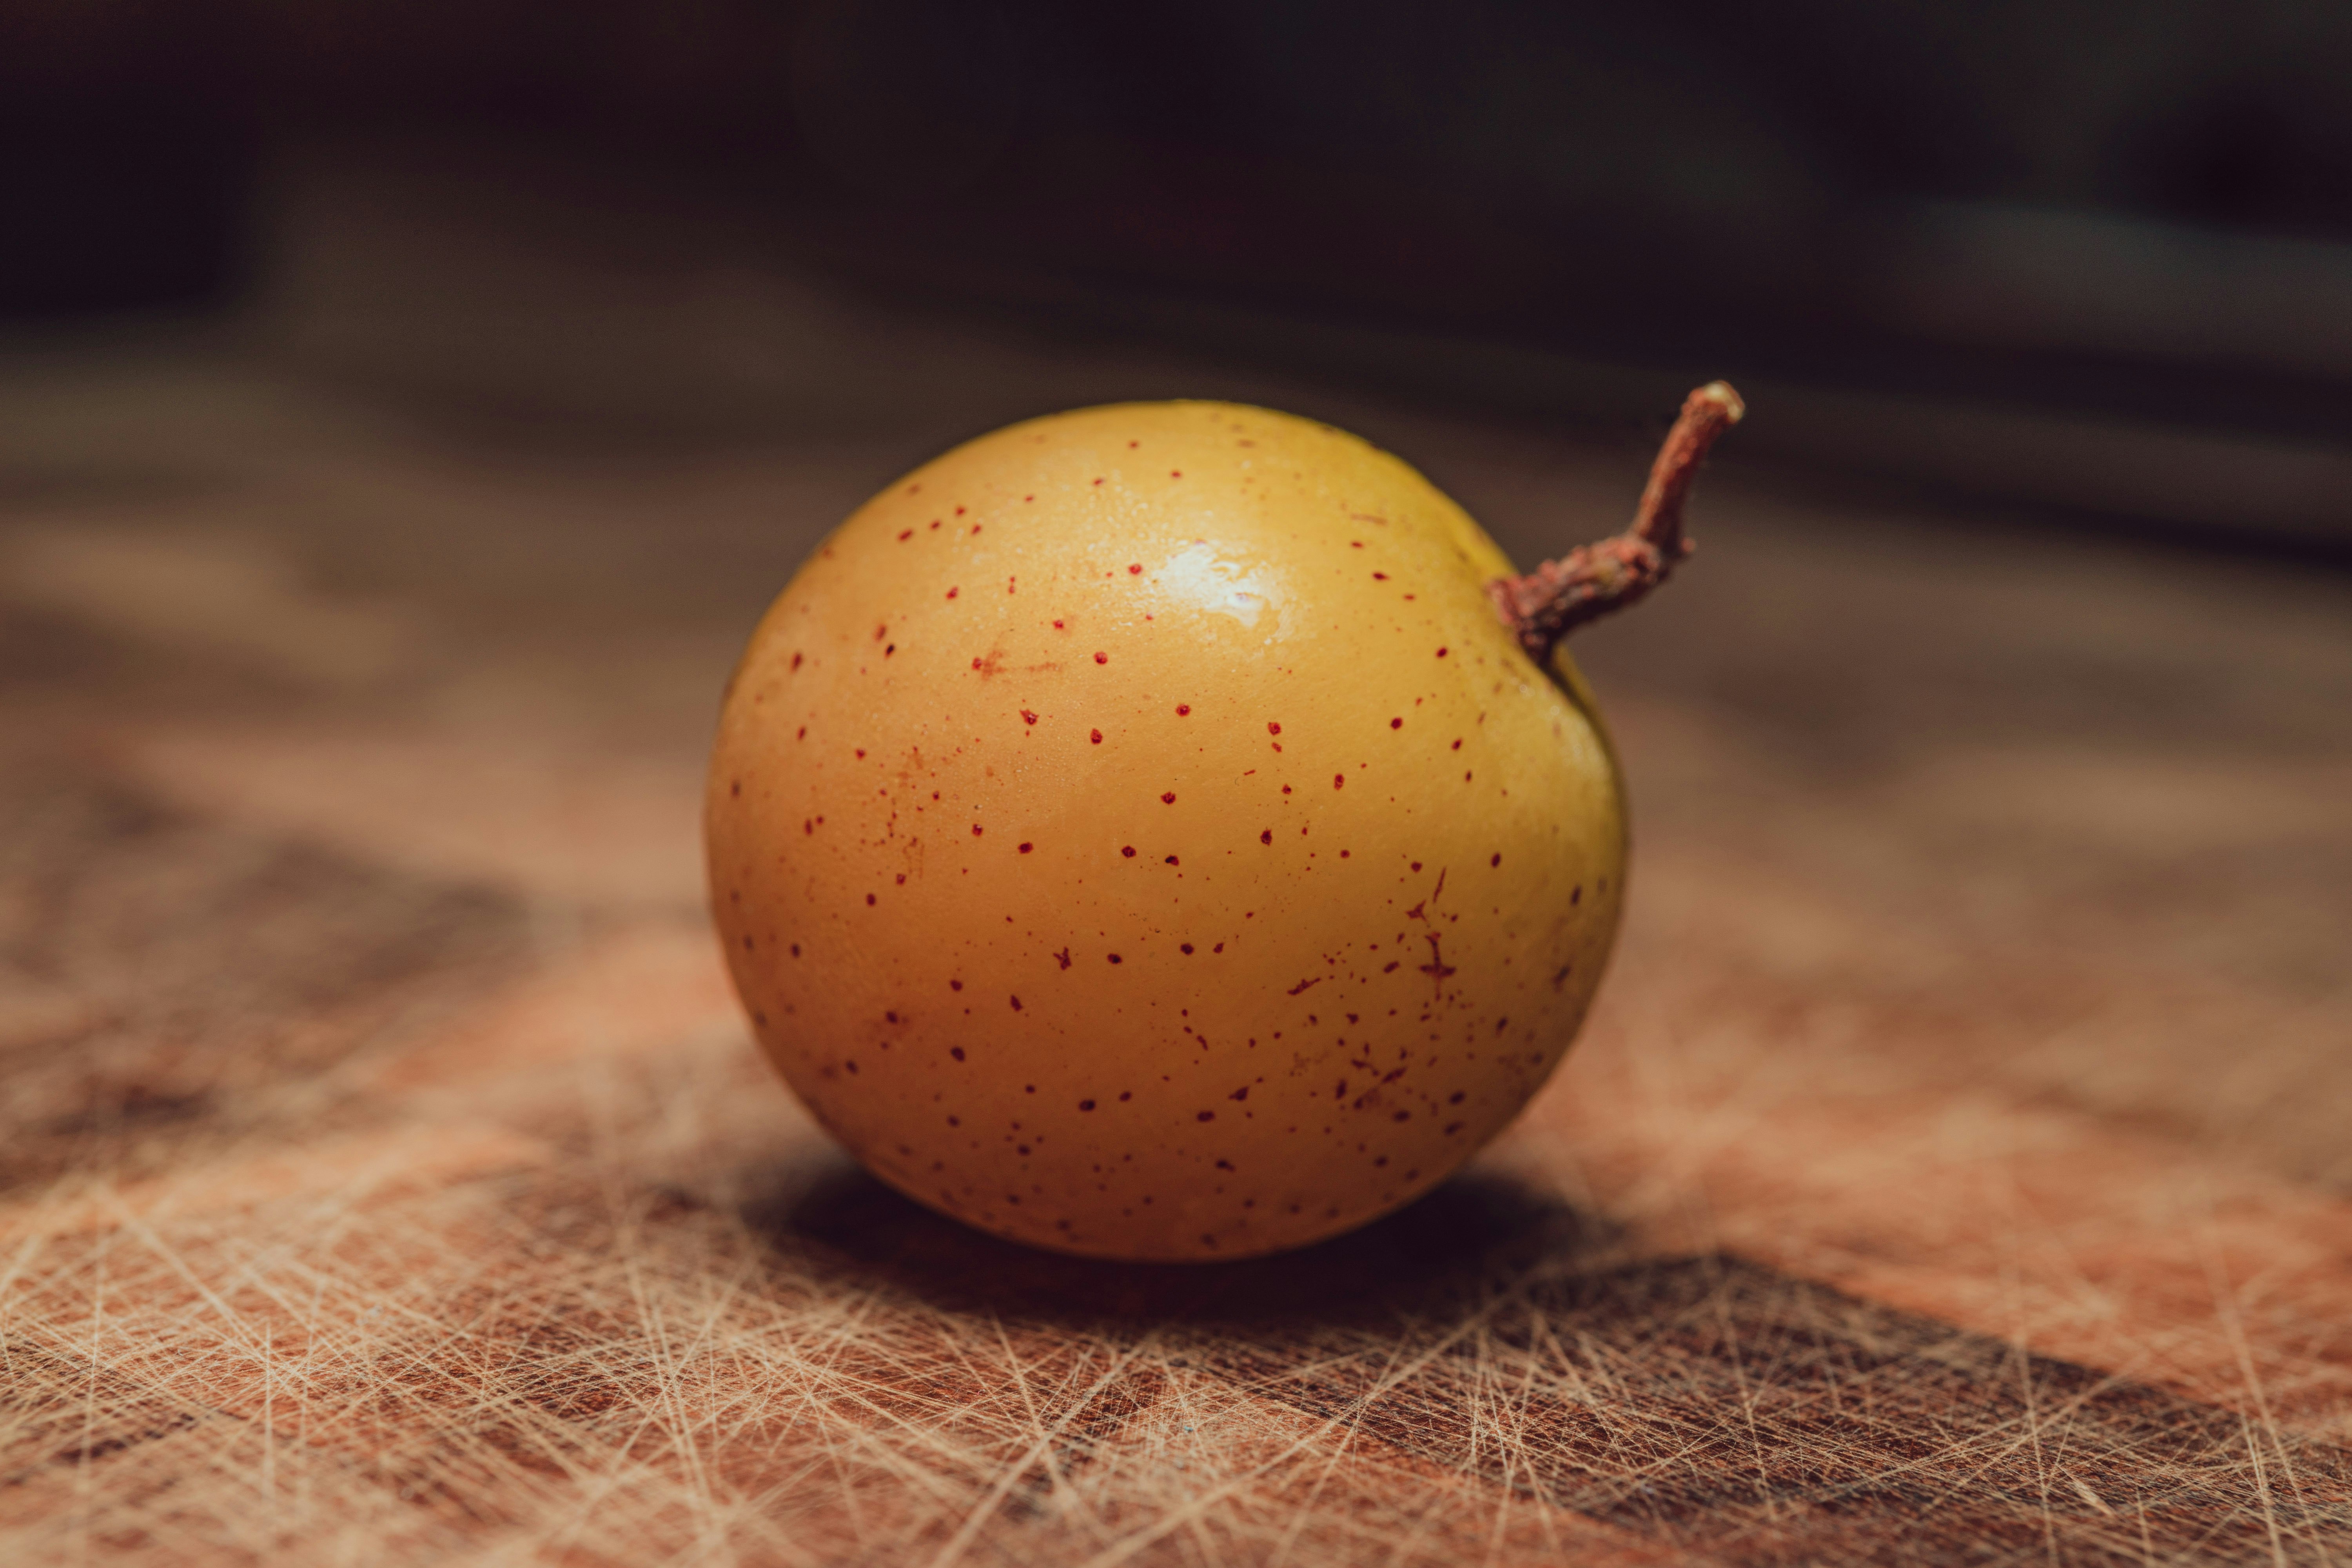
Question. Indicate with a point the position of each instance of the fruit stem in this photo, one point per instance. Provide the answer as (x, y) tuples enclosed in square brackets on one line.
[(1592, 580)]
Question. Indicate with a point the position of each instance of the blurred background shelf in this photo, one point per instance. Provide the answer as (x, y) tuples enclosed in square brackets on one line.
[(2047, 256)]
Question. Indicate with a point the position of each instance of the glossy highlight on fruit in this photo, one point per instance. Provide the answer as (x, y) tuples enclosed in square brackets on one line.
[(1136, 832)]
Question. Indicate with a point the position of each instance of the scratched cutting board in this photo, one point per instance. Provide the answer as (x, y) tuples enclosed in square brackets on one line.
[(1958, 1168)]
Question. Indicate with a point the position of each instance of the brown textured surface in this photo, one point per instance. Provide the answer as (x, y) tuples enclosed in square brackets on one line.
[(1956, 1171)]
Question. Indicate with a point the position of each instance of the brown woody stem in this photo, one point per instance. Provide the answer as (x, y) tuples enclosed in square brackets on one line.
[(1592, 580)]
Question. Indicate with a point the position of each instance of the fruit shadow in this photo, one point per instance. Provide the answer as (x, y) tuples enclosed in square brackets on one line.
[(1476, 1235)]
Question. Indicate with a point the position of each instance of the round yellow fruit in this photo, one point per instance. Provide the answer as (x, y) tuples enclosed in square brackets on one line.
[(1137, 834)]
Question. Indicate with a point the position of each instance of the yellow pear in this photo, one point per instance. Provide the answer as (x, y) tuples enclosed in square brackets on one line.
[(1165, 831)]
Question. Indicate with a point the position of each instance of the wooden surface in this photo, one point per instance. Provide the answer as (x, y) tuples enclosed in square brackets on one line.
[(1958, 1169)]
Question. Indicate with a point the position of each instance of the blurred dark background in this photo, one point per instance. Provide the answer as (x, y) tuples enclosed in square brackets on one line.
[(2096, 260)]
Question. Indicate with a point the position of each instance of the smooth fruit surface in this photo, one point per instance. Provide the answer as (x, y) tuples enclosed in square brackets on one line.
[(1135, 833)]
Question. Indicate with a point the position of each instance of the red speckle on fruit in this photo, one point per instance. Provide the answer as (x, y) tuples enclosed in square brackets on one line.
[(796, 660), (1339, 781), (870, 900), (1497, 860), (1206, 1116), (1167, 797), (1272, 728), (1026, 846), (1441, 652), (955, 985), (1127, 850), (1101, 658), (951, 593), (1058, 625), (1135, 568), (1016, 1004), (1355, 545), (1396, 724), (1096, 736), (1173, 861), (1086, 1105), (1183, 709), (1380, 576), (905, 534), (1027, 717), (975, 830), (1186, 949), (1116, 959), (1266, 838)]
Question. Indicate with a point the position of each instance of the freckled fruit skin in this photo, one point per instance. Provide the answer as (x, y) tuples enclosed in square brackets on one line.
[(1136, 834)]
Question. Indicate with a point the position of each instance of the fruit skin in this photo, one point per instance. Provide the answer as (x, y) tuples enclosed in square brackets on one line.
[(1320, 909)]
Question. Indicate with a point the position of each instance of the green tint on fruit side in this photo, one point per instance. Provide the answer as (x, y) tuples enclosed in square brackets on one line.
[(1137, 833)]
